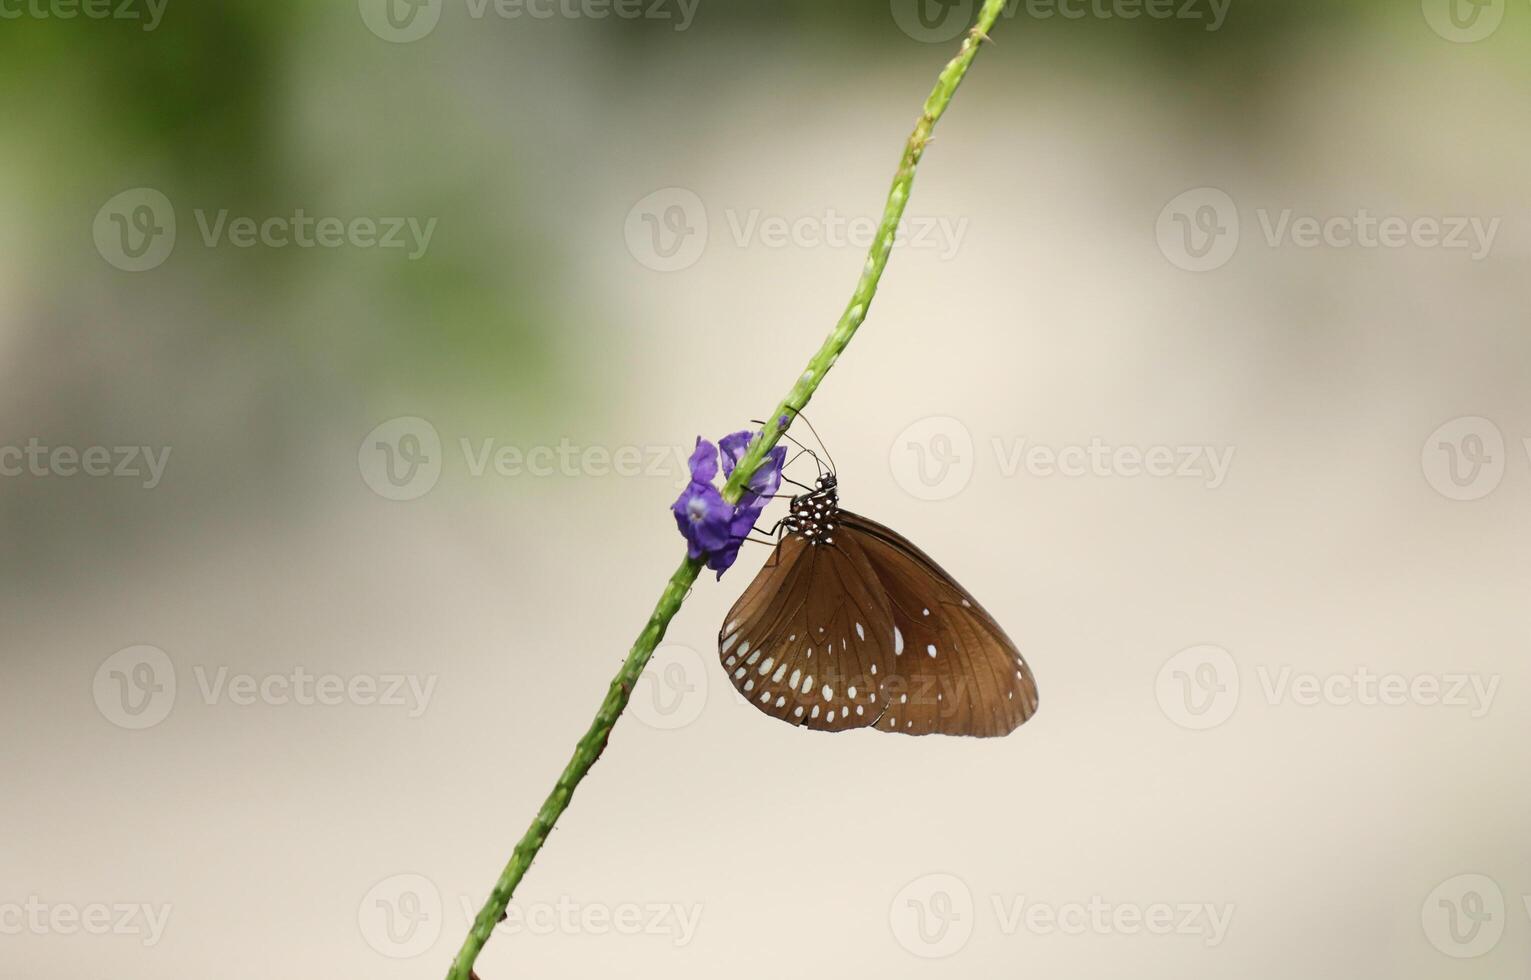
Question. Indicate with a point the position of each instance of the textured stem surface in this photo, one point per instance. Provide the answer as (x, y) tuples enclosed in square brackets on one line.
[(594, 742)]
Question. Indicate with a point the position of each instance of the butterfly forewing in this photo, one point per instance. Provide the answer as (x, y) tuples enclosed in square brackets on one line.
[(955, 671), (812, 637)]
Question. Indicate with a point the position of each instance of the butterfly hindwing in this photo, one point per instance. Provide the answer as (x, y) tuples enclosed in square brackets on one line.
[(811, 638)]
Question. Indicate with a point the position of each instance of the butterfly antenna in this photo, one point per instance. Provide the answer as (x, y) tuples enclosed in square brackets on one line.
[(816, 461), (832, 467)]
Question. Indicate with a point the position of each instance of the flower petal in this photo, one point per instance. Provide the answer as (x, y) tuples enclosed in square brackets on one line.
[(704, 461), (734, 446)]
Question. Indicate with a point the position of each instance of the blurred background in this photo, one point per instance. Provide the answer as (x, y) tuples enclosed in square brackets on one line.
[(350, 353)]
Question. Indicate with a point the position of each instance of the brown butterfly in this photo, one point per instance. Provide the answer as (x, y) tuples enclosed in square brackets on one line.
[(849, 625)]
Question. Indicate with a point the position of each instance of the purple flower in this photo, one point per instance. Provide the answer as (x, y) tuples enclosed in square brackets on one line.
[(702, 515), (712, 528), (767, 478)]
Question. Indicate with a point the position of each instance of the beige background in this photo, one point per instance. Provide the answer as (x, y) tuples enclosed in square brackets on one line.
[(281, 836)]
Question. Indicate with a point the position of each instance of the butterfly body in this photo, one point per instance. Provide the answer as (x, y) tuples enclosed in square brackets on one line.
[(849, 625)]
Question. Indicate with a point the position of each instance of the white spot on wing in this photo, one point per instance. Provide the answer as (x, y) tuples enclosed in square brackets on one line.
[(898, 642)]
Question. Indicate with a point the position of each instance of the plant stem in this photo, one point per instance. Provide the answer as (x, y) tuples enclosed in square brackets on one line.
[(594, 742)]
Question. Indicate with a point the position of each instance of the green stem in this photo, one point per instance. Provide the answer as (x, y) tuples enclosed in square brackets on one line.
[(594, 743)]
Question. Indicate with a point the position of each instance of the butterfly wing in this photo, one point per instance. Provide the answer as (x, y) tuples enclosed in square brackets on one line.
[(811, 638), (955, 671)]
